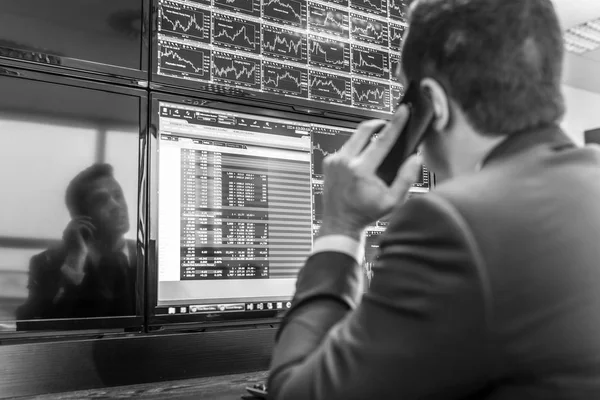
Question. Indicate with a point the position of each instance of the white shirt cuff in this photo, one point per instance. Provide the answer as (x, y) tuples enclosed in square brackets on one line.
[(341, 244)]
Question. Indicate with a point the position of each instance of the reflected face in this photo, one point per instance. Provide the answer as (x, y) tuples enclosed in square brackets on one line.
[(107, 207)]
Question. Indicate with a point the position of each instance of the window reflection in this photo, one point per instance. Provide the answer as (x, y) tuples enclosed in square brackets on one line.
[(92, 271), (105, 32), (68, 209)]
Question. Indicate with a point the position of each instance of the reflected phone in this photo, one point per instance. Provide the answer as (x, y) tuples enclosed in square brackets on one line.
[(86, 233), (419, 121)]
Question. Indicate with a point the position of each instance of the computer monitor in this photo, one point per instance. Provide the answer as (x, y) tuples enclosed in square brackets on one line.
[(335, 57), (106, 38), (71, 147), (328, 140), (237, 207), (592, 136)]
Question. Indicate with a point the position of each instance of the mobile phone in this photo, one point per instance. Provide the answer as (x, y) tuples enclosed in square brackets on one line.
[(419, 121)]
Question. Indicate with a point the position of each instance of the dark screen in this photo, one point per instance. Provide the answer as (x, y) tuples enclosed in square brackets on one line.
[(592, 136), (105, 32), (50, 134)]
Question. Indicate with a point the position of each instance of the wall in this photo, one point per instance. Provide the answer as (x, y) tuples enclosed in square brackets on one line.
[(583, 112)]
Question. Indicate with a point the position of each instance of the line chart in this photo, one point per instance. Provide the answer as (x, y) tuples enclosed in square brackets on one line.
[(396, 94), (369, 30), (370, 95), (395, 68), (376, 6), (369, 62), (324, 144), (285, 79), (285, 11), (236, 69), (329, 53), (185, 21), (323, 151), (184, 61), (329, 88), (398, 9), (275, 78), (396, 35), (237, 33), (329, 20), (250, 7), (285, 44)]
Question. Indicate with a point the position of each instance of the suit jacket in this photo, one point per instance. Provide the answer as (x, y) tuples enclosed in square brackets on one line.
[(486, 288), (106, 290)]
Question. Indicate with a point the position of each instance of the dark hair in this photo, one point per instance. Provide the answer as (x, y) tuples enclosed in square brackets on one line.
[(78, 187), (499, 60)]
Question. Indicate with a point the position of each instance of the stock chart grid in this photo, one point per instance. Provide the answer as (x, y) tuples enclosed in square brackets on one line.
[(342, 52)]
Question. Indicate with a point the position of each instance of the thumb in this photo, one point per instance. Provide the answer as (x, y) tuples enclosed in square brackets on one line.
[(407, 175)]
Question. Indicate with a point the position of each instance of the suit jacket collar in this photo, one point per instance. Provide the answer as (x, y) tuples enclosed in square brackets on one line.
[(551, 135), (128, 249)]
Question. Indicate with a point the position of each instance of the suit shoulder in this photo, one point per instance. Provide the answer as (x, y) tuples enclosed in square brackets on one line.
[(435, 216), (49, 260), (131, 245)]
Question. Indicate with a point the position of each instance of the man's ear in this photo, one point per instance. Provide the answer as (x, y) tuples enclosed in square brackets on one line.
[(440, 102)]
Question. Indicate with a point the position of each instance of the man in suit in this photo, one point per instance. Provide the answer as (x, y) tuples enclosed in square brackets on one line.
[(93, 272), (489, 286)]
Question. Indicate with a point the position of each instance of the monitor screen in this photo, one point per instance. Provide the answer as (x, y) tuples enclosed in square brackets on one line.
[(63, 32), (71, 189), (327, 140), (238, 206), (341, 55), (592, 136)]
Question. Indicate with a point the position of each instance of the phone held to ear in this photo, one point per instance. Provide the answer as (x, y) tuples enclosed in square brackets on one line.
[(86, 234), (420, 119)]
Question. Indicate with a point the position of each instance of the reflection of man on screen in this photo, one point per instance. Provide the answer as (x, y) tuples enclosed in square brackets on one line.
[(93, 272)]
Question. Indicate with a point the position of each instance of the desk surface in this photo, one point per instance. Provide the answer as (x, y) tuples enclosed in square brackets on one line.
[(226, 387)]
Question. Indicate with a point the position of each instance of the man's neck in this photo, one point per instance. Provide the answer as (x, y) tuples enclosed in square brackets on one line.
[(471, 156), (109, 244)]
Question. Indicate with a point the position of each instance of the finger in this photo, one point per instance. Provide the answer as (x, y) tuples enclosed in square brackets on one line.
[(361, 137), (82, 218), (407, 175), (76, 235), (86, 224), (376, 152)]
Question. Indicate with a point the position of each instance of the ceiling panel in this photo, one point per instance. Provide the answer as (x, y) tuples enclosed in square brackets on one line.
[(580, 71)]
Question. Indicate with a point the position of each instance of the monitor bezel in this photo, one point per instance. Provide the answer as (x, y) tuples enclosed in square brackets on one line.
[(249, 97), (96, 326), (75, 67), (159, 321)]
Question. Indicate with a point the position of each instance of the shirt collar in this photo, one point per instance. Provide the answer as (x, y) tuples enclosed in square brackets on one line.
[(518, 142), (95, 256)]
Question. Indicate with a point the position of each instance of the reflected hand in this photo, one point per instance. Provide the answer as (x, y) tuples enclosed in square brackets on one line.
[(354, 196), (76, 237)]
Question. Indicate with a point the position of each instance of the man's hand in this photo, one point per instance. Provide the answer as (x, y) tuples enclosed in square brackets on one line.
[(76, 236), (354, 196)]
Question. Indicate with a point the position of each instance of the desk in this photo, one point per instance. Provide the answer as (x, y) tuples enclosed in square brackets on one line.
[(226, 387)]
